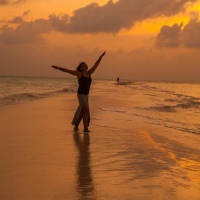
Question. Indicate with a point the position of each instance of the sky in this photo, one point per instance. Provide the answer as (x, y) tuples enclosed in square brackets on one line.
[(144, 39)]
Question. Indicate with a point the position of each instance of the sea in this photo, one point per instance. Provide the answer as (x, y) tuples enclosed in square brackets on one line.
[(173, 105)]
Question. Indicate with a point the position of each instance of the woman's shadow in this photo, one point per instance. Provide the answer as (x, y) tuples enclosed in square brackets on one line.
[(85, 183)]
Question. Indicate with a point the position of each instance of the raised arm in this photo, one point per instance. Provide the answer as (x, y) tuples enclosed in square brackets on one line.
[(73, 72), (97, 63)]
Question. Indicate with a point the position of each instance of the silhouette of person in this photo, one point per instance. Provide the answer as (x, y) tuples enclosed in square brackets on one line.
[(84, 80), (118, 80)]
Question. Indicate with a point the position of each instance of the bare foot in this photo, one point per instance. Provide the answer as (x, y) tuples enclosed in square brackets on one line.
[(86, 130), (76, 128)]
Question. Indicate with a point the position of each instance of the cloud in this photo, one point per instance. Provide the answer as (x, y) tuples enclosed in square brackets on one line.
[(123, 14), (110, 18), (11, 2), (19, 19), (59, 23), (16, 19), (190, 34), (3, 2), (169, 36), (176, 35), (26, 32)]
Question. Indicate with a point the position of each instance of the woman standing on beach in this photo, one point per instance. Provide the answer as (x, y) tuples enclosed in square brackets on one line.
[(84, 80)]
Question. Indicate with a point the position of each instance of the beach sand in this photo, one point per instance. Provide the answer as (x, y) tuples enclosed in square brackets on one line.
[(121, 158)]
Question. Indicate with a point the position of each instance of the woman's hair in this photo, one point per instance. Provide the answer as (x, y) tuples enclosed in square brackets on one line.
[(79, 66)]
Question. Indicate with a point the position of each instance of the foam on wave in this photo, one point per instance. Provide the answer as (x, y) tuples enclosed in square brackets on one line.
[(26, 97)]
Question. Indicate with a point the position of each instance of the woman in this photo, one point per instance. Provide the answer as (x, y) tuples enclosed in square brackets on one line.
[(84, 81)]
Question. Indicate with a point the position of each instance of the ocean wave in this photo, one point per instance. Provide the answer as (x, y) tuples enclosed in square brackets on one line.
[(188, 127), (190, 103), (163, 108), (125, 83), (26, 97), (161, 120)]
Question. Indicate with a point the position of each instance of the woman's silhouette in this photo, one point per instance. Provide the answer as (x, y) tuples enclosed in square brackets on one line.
[(84, 81)]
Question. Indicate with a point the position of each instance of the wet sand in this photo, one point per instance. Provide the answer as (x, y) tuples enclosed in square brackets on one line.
[(121, 158)]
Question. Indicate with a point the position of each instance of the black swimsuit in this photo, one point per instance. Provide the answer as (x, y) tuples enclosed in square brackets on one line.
[(84, 84)]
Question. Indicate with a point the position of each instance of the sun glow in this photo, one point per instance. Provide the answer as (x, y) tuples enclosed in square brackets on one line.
[(195, 7), (153, 26)]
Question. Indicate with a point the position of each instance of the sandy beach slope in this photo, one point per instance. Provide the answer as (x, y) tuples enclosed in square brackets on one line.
[(43, 159)]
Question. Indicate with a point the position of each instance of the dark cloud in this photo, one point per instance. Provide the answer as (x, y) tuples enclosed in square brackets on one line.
[(14, 20), (113, 17), (190, 34), (11, 2), (174, 36), (3, 2), (169, 36), (26, 32), (19, 19), (59, 23)]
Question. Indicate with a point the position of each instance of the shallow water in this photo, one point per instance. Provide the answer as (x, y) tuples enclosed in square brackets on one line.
[(171, 105), (125, 163), (121, 164)]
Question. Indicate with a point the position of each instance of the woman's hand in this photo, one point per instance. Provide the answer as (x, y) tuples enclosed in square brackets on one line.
[(55, 67), (103, 54)]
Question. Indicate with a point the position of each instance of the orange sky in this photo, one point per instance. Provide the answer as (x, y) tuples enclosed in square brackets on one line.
[(144, 40)]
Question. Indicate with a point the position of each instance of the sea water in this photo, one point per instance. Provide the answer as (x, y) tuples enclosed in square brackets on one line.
[(172, 105), (15, 90), (169, 104)]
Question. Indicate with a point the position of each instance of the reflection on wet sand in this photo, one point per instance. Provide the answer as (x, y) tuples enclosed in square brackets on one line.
[(85, 184)]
